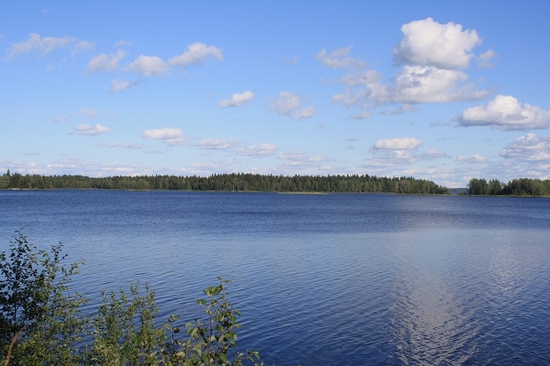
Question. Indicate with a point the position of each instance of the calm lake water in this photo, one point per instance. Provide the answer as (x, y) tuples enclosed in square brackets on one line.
[(320, 279)]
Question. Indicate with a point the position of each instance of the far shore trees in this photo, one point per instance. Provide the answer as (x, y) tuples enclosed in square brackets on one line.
[(241, 182), (515, 187)]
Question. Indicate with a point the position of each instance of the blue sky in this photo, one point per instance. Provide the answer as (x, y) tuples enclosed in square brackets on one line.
[(445, 91)]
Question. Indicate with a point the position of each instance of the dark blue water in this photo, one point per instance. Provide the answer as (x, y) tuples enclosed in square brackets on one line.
[(320, 279)]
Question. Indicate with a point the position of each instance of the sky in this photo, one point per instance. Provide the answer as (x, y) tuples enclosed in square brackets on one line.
[(438, 90)]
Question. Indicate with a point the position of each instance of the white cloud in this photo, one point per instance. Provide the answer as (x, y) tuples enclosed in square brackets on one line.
[(290, 104), (414, 84), (475, 158), (218, 144), (42, 46), (120, 85), (432, 54), (406, 143), (484, 60), (148, 65), (237, 99), (195, 54), (98, 129), (529, 147), (339, 58), (166, 133), (424, 84), (105, 62), (429, 43), (258, 151), (505, 113)]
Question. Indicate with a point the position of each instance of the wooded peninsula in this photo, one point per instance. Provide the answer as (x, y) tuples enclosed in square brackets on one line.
[(241, 182)]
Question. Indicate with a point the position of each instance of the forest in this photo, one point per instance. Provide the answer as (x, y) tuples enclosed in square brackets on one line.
[(241, 182), (515, 187)]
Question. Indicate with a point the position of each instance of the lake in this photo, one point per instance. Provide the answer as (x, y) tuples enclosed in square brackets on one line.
[(320, 279)]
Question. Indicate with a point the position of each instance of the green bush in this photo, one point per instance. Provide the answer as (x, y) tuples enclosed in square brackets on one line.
[(41, 322)]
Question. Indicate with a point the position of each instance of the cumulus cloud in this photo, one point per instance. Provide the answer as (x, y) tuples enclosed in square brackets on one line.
[(148, 65), (425, 84), (475, 158), (237, 99), (413, 84), (339, 58), (42, 46), (120, 85), (406, 143), (429, 43), (105, 62), (218, 144), (168, 135), (505, 113), (98, 129), (290, 104), (432, 55), (529, 147), (258, 151), (195, 54)]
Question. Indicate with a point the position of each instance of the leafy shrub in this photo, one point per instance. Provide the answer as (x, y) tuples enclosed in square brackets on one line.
[(41, 322)]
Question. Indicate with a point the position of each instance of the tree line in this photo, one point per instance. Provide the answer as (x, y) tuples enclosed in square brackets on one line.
[(515, 187), (229, 182)]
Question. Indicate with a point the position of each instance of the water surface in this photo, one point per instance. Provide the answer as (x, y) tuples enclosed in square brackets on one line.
[(320, 279)]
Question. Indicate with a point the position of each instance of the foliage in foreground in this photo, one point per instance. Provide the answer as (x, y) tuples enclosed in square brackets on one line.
[(41, 322)]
